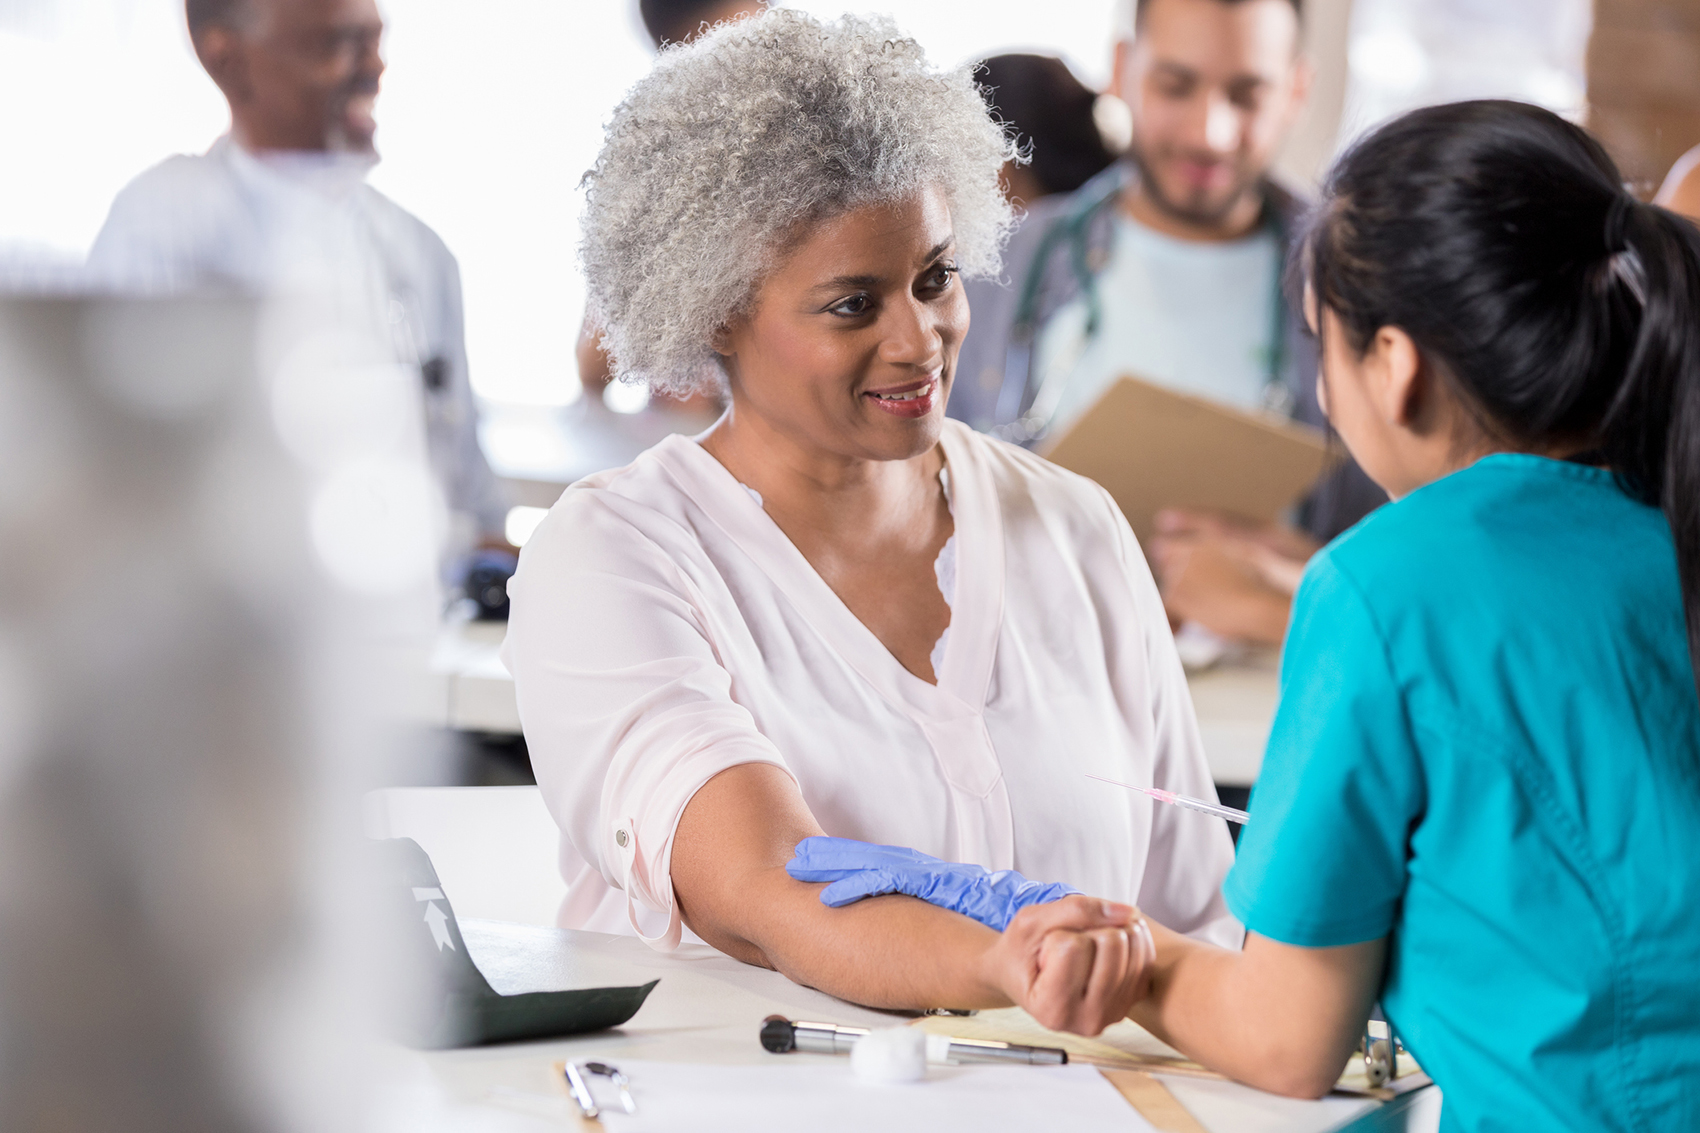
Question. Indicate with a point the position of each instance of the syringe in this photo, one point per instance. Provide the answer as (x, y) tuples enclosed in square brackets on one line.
[(1173, 799)]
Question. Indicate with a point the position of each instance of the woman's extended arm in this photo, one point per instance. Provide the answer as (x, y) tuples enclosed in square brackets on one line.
[(1071, 963), (1274, 1016)]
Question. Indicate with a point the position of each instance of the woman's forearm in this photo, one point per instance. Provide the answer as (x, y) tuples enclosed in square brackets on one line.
[(884, 951), (729, 876), (1072, 963), (1275, 1016)]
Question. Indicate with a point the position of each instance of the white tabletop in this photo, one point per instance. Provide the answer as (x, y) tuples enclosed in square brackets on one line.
[(471, 691), (493, 848), (708, 1009)]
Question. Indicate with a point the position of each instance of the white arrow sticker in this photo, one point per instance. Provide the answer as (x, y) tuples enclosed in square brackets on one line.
[(439, 922)]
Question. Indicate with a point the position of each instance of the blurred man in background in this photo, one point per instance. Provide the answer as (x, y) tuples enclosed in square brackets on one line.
[(1182, 245), (280, 206)]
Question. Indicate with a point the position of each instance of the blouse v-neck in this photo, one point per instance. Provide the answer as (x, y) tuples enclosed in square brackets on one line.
[(976, 613)]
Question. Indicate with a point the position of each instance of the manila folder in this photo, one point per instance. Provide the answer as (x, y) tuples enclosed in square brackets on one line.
[(1153, 448)]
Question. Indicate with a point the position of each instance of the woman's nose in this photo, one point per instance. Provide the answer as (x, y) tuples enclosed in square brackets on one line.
[(913, 337)]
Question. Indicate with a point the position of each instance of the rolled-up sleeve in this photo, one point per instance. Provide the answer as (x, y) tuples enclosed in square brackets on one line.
[(626, 706)]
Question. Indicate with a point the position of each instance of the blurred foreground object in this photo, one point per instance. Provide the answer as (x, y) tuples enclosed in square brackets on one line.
[(210, 603)]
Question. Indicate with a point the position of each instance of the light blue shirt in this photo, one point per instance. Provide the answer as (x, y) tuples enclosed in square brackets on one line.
[(1198, 317), (1488, 748)]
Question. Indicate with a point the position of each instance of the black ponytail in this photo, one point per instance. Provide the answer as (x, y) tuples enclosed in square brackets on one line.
[(1564, 312), (1652, 435)]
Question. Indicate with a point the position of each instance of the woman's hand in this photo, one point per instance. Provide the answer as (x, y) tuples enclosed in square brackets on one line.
[(1278, 539), (1231, 576), (1078, 964)]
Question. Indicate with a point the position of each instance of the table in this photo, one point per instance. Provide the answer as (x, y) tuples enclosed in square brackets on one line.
[(708, 1009), (471, 691), (496, 849), (1235, 702)]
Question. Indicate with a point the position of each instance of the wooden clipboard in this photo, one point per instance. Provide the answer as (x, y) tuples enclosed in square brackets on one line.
[(1153, 448)]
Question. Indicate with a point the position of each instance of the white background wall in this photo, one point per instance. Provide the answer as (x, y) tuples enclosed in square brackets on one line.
[(492, 110), (490, 113)]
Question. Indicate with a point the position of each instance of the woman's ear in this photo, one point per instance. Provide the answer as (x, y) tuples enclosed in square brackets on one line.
[(1400, 381), (723, 341)]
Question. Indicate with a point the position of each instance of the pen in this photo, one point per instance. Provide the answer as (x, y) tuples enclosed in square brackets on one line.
[(780, 1035), (1173, 799)]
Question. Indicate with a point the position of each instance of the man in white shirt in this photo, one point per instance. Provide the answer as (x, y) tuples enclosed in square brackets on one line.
[(1169, 265), (280, 206)]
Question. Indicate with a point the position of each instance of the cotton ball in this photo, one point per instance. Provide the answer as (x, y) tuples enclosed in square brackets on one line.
[(896, 1054)]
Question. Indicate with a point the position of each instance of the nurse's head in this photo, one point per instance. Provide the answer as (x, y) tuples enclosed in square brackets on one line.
[(785, 209), (1481, 282)]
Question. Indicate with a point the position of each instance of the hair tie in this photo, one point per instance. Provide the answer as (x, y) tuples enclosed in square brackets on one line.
[(1617, 222)]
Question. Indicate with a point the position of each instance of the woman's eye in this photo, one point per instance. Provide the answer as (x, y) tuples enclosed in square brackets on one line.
[(851, 307), (939, 280)]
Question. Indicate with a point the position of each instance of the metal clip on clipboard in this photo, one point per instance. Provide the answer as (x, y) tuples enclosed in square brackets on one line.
[(1380, 1053), (579, 1086)]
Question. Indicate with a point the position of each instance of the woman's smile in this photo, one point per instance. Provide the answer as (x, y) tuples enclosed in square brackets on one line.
[(915, 399)]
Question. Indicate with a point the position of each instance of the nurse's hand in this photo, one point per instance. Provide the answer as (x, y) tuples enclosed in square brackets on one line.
[(864, 869), (1078, 964)]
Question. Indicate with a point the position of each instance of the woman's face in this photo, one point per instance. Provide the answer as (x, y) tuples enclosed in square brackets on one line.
[(850, 343)]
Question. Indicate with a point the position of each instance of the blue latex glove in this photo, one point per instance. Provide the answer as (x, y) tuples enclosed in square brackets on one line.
[(862, 869)]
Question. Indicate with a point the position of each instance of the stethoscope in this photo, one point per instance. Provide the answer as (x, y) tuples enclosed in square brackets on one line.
[(1030, 417)]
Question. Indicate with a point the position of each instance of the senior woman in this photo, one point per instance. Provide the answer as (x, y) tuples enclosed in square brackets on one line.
[(836, 611)]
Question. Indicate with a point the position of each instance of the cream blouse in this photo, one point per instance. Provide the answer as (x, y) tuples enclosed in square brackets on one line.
[(664, 629)]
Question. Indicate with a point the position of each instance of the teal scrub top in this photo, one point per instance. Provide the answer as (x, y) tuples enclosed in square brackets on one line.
[(1487, 748)]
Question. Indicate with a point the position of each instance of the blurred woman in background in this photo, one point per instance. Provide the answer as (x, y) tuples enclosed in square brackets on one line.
[(1052, 114)]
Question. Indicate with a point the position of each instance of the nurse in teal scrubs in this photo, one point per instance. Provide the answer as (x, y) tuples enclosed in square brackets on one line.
[(1481, 797)]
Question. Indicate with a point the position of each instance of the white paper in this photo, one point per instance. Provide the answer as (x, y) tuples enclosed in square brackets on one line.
[(820, 1094)]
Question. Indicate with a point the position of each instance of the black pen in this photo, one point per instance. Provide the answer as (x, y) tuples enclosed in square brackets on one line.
[(780, 1035)]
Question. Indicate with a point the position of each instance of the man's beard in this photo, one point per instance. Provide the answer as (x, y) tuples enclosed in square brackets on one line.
[(1202, 215)]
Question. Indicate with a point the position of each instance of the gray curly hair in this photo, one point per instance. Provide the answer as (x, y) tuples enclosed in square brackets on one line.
[(734, 142)]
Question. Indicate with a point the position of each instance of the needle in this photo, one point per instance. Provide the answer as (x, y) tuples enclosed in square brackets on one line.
[(1173, 799)]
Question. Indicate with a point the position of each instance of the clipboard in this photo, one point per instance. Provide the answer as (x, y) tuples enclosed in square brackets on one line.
[(444, 1000), (1153, 448)]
